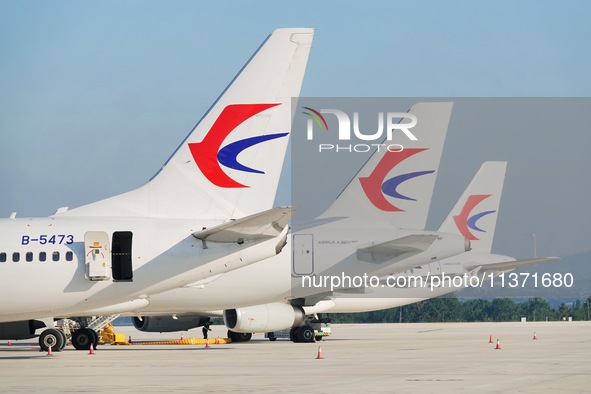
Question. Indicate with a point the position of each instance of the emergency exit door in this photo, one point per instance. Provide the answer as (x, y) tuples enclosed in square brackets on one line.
[(303, 254)]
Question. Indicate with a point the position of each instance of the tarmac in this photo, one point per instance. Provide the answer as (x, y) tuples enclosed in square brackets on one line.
[(370, 358)]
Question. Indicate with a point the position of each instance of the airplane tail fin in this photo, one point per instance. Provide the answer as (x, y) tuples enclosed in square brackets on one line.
[(230, 163), (396, 187), (475, 214)]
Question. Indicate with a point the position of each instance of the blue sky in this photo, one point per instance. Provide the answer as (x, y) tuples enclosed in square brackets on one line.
[(96, 95)]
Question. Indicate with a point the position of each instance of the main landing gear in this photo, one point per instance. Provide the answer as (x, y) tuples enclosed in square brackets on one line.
[(54, 338), (57, 339), (83, 338), (239, 336)]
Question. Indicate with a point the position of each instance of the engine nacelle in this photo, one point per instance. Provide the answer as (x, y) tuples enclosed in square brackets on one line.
[(263, 318), (168, 323), (24, 329)]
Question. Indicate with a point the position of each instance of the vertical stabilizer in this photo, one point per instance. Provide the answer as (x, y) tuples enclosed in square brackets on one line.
[(475, 214), (229, 165), (396, 187)]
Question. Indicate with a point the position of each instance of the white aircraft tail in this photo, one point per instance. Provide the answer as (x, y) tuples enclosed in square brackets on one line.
[(230, 163), (475, 214), (396, 187)]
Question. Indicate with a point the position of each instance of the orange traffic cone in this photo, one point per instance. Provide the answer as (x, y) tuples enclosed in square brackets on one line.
[(91, 349), (535, 336), (49, 352), (182, 337), (217, 341), (490, 340), (207, 343), (9, 344), (498, 345), (319, 355)]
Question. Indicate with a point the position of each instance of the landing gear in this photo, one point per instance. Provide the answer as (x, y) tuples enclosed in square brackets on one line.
[(271, 336), (293, 334), (239, 336), (82, 338), (64, 340), (306, 334), (244, 336), (52, 337)]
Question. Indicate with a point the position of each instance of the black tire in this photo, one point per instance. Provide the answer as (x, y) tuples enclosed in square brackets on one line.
[(271, 336), (64, 339), (243, 336), (96, 339), (82, 338), (239, 336), (318, 338), (306, 334), (51, 337), (293, 334)]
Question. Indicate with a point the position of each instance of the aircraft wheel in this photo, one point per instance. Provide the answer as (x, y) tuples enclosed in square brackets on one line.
[(306, 334), (82, 338), (293, 334), (51, 337), (96, 339), (64, 339), (243, 336), (271, 336)]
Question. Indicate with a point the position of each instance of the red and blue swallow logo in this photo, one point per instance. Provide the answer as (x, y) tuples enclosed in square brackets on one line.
[(465, 221), (375, 187), (208, 154)]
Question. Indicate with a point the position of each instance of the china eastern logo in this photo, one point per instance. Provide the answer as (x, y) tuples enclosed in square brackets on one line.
[(347, 129), (376, 186), (209, 153), (465, 221)]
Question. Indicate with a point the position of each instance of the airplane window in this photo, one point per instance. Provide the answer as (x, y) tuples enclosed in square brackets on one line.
[(42, 256), (16, 256), (2, 257), (55, 256), (69, 256), (29, 256)]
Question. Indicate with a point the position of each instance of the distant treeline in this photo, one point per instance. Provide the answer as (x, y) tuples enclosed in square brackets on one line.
[(454, 310)]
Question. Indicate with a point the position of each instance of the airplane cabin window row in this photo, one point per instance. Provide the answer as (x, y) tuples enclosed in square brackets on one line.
[(29, 257)]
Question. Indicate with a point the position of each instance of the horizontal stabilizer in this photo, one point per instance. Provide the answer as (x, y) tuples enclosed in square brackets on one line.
[(260, 226), (388, 250), (510, 265)]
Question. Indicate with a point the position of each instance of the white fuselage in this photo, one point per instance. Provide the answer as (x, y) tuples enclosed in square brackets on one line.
[(165, 255), (278, 278), (271, 281)]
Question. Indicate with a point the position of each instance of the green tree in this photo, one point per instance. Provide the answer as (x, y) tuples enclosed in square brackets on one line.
[(505, 309), (476, 311), (538, 309), (563, 311)]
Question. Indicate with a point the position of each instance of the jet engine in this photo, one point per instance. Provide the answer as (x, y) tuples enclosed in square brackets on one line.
[(263, 318), (24, 329)]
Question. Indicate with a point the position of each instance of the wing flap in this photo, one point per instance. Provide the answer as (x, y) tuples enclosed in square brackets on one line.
[(260, 226)]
